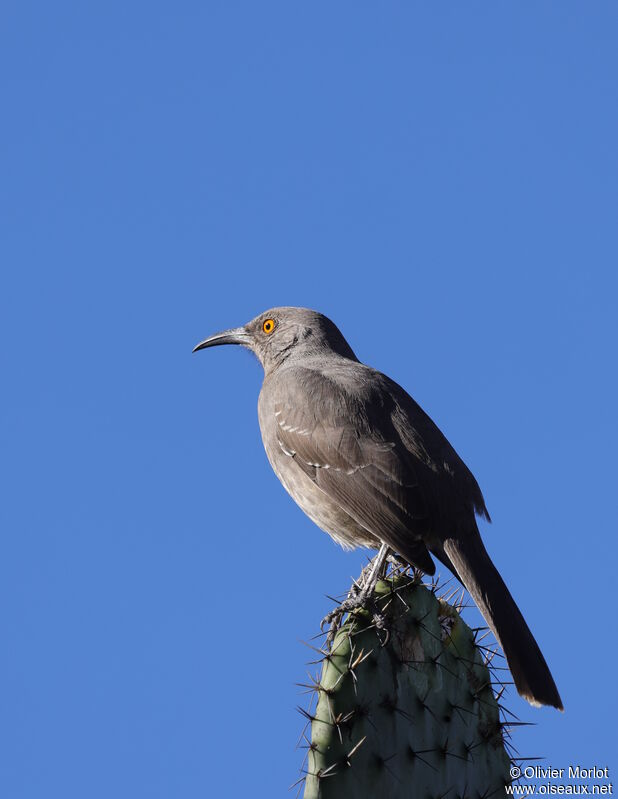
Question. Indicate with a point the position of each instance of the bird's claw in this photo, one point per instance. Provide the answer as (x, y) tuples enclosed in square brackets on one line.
[(335, 617)]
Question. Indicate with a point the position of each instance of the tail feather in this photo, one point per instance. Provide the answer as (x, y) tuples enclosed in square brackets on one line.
[(476, 571)]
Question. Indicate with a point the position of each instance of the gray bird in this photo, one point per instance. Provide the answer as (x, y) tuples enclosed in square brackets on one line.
[(369, 467)]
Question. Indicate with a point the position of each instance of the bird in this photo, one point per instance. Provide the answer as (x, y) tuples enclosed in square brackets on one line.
[(370, 467)]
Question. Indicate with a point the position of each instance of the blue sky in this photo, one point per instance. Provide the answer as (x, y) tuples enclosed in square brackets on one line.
[(440, 180)]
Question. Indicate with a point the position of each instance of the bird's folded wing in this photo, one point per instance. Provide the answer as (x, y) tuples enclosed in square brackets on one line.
[(371, 478)]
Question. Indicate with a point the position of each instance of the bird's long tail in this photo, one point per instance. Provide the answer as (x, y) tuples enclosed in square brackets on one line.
[(476, 571)]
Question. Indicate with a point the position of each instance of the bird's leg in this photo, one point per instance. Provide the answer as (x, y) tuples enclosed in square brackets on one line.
[(398, 564), (359, 595), (358, 584), (377, 567)]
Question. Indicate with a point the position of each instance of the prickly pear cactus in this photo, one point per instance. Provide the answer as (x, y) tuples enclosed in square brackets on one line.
[(407, 710)]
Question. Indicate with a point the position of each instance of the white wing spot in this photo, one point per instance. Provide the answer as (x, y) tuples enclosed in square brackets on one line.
[(288, 452)]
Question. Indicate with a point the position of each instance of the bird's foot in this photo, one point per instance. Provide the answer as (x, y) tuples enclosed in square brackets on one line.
[(359, 596), (335, 617)]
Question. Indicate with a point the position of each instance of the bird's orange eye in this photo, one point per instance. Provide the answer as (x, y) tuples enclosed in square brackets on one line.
[(268, 326)]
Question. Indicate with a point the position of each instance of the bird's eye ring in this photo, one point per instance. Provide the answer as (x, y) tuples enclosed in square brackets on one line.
[(268, 326)]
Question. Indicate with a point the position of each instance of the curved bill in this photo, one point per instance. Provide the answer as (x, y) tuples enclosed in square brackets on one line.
[(236, 335)]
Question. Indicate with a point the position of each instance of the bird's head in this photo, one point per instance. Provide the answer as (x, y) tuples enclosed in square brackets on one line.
[(282, 333)]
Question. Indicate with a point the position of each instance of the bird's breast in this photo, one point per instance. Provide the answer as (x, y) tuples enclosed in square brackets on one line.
[(319, 507)]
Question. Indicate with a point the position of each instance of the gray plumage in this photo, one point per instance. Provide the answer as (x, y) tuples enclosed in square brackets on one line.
[(369, 467)]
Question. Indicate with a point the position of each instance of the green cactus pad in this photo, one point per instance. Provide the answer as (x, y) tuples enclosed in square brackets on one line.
[(408, 710)]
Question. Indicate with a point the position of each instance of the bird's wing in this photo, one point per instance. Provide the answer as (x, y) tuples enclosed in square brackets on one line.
[(345, 443), (455, 483)]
